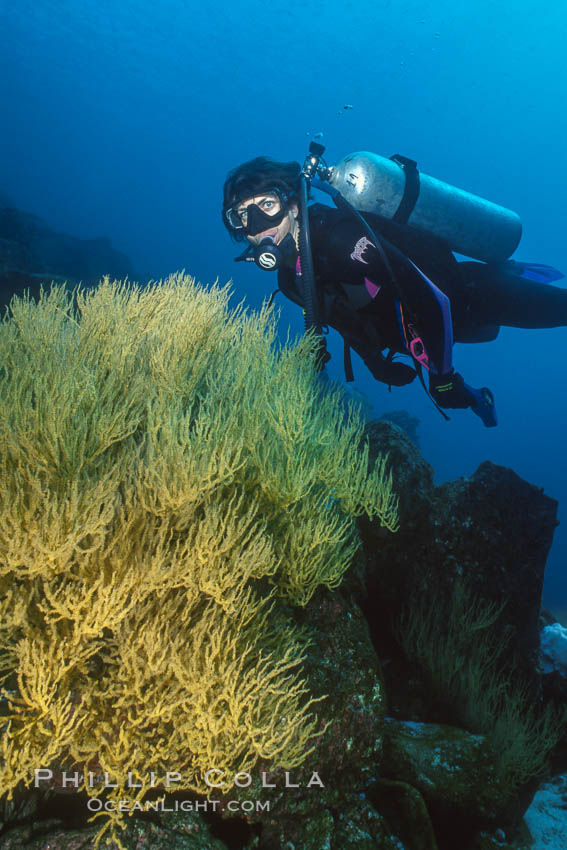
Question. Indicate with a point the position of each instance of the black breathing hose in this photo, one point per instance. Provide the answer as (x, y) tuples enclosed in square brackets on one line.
[(306, 260)]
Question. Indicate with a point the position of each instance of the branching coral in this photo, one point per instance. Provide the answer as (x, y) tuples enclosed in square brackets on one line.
[(163, 463)]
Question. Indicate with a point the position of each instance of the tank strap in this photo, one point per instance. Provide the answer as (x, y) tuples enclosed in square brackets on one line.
[(411, 188)]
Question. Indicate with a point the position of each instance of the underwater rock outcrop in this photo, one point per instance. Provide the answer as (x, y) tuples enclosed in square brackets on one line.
[(454, 609), (492, 528), (453, 769), (32, 255)]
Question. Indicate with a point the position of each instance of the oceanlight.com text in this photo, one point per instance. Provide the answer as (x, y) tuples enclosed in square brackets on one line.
[(246, 806)]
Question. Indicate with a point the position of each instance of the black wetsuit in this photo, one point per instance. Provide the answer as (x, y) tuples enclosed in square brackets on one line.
[(446, 300)]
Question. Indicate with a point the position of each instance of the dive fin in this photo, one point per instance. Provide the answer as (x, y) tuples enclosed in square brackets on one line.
[(534, 271), (483, 405)]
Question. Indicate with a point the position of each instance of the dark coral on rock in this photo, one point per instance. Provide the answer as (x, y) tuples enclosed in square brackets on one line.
[(492, 527)]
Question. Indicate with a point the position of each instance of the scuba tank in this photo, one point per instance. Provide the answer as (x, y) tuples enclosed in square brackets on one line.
[(395, 189)]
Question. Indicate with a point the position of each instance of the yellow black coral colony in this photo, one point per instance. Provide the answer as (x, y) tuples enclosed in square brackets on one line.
[(165, 474)]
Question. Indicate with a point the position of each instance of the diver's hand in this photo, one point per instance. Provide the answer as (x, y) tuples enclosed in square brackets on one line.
[(393, 374), (450, 390), (399, 374)]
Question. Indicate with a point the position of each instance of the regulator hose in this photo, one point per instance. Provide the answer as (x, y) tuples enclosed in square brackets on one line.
[(311, 311), (306, 260)]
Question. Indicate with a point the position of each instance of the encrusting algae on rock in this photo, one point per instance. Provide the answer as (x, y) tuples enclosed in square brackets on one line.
[(165, 474)]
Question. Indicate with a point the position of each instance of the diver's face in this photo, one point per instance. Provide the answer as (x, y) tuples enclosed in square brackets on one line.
[(270, 205)]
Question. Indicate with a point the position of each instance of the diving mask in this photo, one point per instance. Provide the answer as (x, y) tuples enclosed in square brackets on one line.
[(255, 218)]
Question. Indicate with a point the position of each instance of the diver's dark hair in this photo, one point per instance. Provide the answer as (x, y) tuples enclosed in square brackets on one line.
[(257, 176)]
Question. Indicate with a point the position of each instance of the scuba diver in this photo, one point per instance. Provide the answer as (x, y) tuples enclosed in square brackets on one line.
[(383, 284)]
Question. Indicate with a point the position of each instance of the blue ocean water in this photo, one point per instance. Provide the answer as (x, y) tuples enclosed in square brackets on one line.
[(122, 118)]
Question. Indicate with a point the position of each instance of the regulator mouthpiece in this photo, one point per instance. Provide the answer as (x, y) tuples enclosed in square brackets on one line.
[(269, 256)]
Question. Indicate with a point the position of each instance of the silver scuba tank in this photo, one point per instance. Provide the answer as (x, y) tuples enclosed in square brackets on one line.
[(395, 189)]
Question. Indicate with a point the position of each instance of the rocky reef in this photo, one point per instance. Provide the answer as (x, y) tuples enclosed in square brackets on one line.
[(406, 761), (438, 718), (32, 255)]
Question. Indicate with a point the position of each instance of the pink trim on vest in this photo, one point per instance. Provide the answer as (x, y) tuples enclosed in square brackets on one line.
[(371, 288)]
